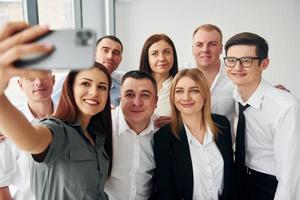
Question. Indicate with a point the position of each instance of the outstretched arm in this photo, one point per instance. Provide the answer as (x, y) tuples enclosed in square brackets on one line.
[(15, 43), (5, 193)]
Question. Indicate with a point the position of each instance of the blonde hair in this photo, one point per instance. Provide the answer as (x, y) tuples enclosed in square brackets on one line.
[(209, 27), (201, 82)]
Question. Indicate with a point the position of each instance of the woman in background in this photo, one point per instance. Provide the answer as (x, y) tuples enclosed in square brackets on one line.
[(193, 154), (72, 149), (159, 58)]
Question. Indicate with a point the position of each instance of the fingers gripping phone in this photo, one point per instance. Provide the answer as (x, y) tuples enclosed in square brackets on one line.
[(73, 49)]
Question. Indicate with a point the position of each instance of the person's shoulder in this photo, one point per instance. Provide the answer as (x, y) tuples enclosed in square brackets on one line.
[(220, 119), (281, 98), (164, 133), (117, 75), (51, 120), (56, 125)]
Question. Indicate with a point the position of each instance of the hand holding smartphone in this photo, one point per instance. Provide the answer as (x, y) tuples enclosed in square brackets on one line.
[(73, 49)]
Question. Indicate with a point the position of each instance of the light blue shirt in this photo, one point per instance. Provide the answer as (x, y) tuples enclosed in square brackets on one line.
[(116, 78)]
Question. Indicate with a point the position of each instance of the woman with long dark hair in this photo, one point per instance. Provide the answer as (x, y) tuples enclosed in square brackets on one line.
[(72, 149), (159, 58)]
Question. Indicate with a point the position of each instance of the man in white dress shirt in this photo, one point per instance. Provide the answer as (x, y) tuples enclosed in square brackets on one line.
[(15, 164), (272, 139), (133, 129), (207, 48)]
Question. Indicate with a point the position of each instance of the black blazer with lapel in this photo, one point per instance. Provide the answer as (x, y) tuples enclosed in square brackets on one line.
[(174, 170)]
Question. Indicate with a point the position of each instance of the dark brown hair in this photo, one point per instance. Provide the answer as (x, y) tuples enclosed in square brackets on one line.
[(144, 61), (251, 39), (67, 110), (111, 37)]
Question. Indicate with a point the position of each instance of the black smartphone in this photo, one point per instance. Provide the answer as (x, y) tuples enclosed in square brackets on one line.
[(73, 49)]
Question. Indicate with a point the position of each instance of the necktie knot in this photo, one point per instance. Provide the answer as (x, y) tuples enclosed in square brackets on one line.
[(242, 108)]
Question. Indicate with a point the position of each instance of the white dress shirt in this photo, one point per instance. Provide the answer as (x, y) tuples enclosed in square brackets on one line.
[(15, 165), (208, 167), (221, 89), (133, 161), (163, 103), (272, 137)]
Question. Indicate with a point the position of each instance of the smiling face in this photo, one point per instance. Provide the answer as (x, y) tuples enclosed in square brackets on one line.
[(187, 97), (36, 89), (138, 101), (250, 77), (207, 48), (161, 57), (109, 54), (90, 92)]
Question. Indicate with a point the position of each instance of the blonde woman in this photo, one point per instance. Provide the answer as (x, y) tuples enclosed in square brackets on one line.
[(193, 154)]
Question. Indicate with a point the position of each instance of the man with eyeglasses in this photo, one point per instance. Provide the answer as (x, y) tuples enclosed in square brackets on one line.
[(271, 124)]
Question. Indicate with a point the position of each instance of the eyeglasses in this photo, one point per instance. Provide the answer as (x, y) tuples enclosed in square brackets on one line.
[(244, 61)]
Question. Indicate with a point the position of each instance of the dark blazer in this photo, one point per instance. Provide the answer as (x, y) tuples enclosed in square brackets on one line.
[(174, 170)]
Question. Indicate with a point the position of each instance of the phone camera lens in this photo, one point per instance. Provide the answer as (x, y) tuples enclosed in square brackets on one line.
[(83, 37)]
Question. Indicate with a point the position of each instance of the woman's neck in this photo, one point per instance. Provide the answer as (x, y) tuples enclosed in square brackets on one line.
[(84, 122), (160, 78), (195, 125)]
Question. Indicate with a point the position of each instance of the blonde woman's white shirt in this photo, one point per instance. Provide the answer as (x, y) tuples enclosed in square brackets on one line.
[(208, 166)]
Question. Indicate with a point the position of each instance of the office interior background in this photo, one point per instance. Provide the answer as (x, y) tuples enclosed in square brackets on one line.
[(133, 21)]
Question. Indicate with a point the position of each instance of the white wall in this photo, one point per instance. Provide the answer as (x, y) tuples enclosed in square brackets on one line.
[(276, 21)]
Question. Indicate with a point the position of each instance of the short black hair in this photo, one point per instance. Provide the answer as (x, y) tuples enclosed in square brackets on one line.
[(111, 37), (138, 74), (251, 39)]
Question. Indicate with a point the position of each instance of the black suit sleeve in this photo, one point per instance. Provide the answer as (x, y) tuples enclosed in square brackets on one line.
[(164, 173)]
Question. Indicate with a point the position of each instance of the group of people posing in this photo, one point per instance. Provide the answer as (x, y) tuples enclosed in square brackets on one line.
[(215, 132)]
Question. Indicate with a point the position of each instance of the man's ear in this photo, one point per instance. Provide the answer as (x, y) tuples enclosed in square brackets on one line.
[(53, 79), (221, 48), (264, 64)]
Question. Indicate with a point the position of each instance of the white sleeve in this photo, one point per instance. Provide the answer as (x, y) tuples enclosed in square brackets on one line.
[(287, 152), (8, 165)]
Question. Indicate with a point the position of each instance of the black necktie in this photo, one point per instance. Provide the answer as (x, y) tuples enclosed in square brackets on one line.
[(240, 167), (240, 137)]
